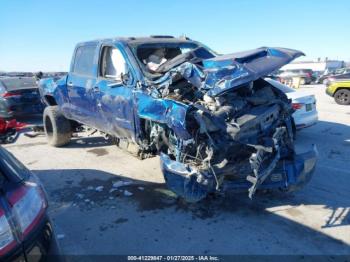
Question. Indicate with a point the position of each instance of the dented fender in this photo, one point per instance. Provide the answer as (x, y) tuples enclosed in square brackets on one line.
[(165, 111)]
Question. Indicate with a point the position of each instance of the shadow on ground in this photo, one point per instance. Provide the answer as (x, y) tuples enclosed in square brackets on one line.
[(333, 143), (89, 142)]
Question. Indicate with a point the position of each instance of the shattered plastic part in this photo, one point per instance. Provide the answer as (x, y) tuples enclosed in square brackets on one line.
[(184, 180)]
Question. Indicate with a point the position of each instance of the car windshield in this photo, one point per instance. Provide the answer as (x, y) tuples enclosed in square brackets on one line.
[(151, 55), (18, 83)]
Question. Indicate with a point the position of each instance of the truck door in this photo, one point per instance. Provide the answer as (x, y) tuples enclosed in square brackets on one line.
[(81, 83), (115, 99)]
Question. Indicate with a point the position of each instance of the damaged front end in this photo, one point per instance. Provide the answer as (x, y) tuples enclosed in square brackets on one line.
[(220, 126)]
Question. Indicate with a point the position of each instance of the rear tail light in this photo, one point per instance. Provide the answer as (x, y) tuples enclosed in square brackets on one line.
[(25, 208), (7, 240), (297, 106), (11, 94), (28, 204)]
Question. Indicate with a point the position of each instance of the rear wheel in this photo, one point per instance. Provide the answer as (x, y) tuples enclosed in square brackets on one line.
[(342, 97), (58, 129)]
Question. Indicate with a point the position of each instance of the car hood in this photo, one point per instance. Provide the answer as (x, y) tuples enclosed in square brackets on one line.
[(227, 72)]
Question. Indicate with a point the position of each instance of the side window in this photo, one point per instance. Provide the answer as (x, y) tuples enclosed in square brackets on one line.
[(84, 60), (112, 64)]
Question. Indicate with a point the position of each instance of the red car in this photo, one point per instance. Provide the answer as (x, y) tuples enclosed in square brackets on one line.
[(26, 232)]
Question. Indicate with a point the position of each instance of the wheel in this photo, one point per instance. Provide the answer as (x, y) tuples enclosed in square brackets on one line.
[(342, 97), (57, 128)]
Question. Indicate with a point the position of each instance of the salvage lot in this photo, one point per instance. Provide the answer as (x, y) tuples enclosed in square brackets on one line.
[(93, 217)]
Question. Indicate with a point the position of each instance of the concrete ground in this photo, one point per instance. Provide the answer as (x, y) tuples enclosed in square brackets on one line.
[(93, 217)]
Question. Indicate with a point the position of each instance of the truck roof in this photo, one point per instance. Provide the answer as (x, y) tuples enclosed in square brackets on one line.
[(140, 40)]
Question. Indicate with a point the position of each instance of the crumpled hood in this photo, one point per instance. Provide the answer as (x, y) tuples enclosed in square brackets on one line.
[(229, 71)]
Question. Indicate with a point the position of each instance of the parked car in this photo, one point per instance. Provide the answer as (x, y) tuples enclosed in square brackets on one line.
[(322, 79), (25, 228), (214, 121), (334, 78), (340, 90), (341, 71), (303, 103), (306, 75), (19, 96)]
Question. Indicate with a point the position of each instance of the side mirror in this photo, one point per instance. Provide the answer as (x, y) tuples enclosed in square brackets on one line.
[(125, 77)]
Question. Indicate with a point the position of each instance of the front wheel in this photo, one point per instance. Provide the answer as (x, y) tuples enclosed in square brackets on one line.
[(58, 129), (342, 97)]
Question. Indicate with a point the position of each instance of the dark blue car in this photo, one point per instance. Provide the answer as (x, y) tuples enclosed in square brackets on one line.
[(213, 119), (19, 97)]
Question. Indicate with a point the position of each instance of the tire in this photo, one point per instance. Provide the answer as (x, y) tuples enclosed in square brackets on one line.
[(342, 97), (57, 128)]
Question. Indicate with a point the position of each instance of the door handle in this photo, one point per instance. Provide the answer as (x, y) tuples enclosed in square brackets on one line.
[(70, 84)]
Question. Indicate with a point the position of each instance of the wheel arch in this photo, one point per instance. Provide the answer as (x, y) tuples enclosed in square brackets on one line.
[(50, 100)]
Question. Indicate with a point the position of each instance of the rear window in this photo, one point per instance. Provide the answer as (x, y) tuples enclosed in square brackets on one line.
[(84, 60), (18, 83)]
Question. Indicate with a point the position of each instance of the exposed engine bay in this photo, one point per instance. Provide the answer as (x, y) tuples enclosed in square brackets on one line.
[(239, 134)]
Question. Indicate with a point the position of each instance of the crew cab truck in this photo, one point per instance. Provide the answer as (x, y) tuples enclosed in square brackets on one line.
[(213, 120)]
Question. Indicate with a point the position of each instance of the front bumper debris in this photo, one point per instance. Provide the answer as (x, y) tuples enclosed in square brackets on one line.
[(193, 185)]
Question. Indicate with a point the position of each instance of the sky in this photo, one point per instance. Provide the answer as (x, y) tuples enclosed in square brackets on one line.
[(41, 35)]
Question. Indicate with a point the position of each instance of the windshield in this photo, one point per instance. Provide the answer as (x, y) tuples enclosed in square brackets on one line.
[(18, 83), (152, 55)]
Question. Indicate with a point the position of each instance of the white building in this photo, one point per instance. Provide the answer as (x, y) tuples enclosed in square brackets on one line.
[(316, 66)]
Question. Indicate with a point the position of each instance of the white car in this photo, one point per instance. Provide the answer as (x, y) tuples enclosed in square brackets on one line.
[(303, 103)]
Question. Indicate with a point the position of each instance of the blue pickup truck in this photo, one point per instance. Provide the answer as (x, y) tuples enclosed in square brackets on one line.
[(213, 120)]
